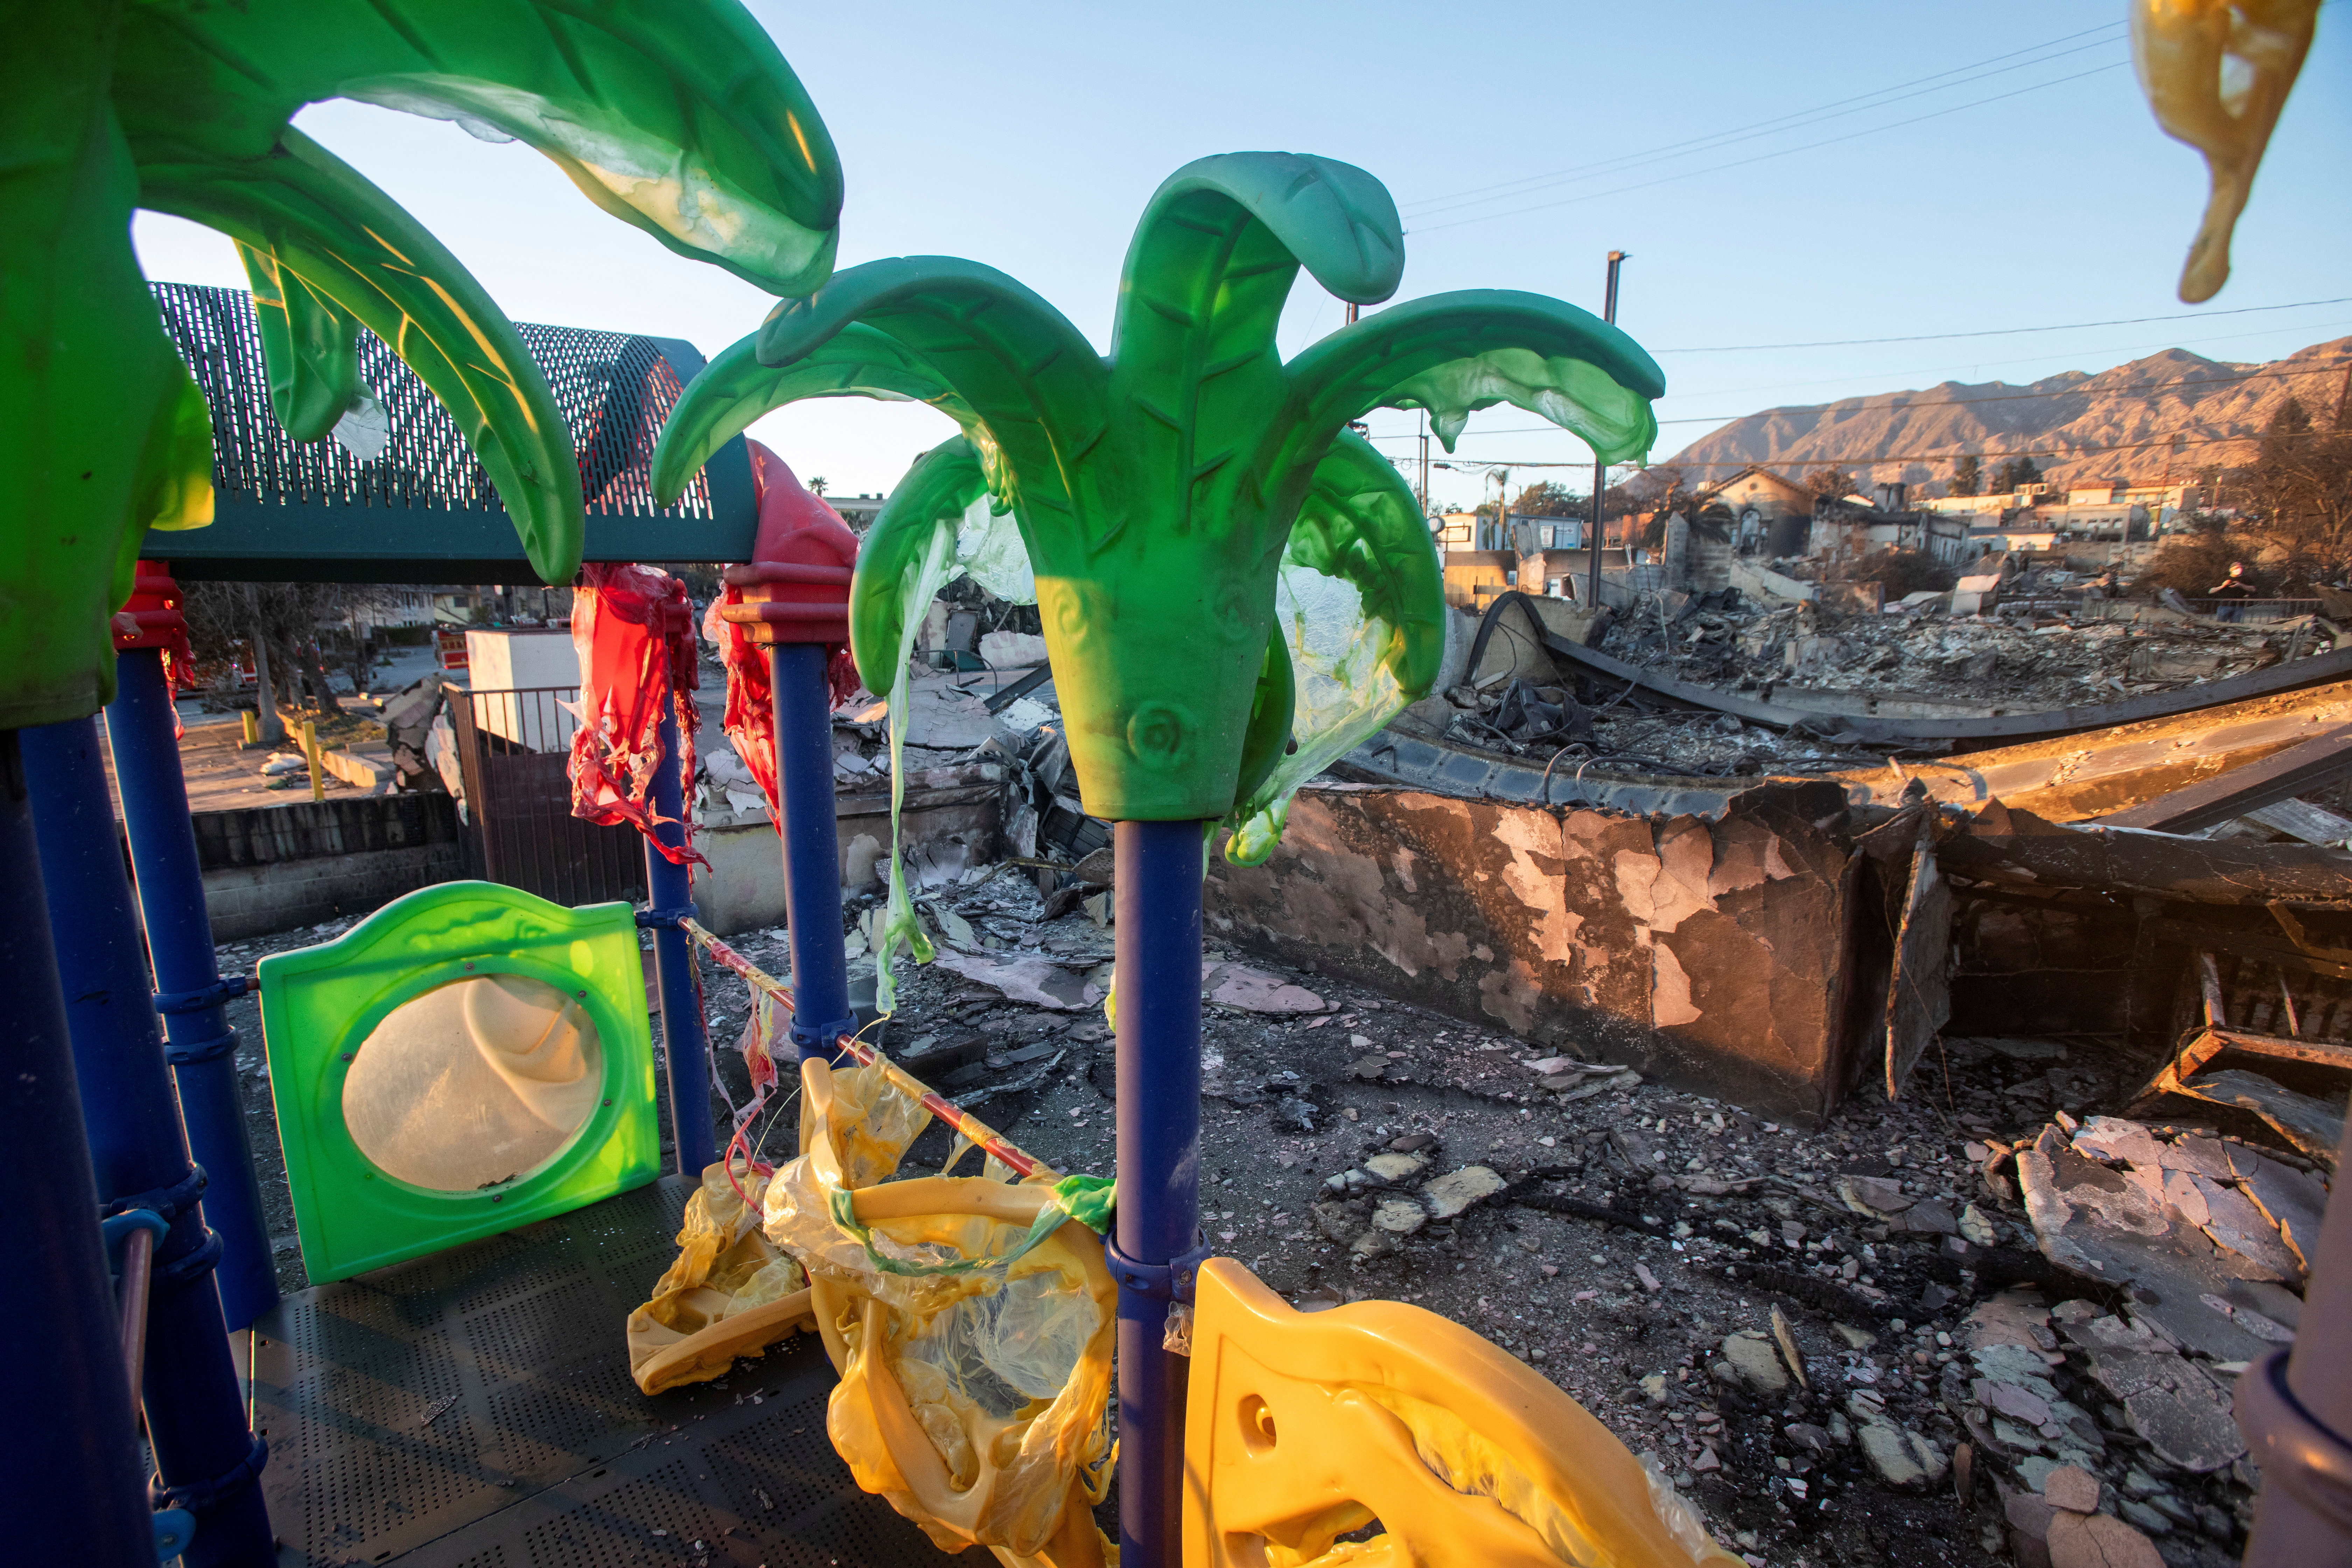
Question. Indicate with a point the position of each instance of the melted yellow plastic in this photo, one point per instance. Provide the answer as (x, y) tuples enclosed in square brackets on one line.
[(2217, 73), (1302, 1428), (729, 1292), (976, 1403)]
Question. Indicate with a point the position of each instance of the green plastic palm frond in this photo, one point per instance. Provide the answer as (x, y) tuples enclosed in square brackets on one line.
[(681, 119), (735, 389), (1455, 353), (1214, 259), (352, 243), (310, 343), (1030, 378)]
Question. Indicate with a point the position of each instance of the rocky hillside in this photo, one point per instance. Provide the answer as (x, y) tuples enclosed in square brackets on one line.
[(2081, 429)]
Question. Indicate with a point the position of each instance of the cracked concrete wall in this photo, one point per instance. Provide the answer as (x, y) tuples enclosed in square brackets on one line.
[(1712, 955)]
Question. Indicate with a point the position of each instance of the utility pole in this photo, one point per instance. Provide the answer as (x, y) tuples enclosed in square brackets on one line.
[(1600, 469), (1424, 463)]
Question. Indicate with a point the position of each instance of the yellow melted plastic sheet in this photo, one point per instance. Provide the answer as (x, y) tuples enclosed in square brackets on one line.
[(731, 1292), (975, 1401)]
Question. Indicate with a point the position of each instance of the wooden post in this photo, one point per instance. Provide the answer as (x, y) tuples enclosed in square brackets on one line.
[(311, 751)]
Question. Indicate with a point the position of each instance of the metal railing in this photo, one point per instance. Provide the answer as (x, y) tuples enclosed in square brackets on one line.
[(514, 748)]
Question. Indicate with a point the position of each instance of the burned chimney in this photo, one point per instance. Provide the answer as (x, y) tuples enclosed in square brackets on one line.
[(1891, 497)]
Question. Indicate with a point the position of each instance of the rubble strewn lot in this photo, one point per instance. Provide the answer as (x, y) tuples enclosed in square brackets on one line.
[(2036, 655), (1853, 1345), (1882, 1342)]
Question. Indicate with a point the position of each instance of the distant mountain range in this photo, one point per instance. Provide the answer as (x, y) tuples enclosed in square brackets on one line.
[(2081, 429)]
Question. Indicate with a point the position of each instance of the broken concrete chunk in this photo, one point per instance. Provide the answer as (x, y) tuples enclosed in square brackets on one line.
[(2072, 1489), (1902, 1457), (2200, 1156), (2114, 1138), (2234, 1223), (1930, 1218), (2006, 1320), (1247, 990), (1977, 1227), (1336, 1222), (2180, 1411), (1750, 1360), (1449, 1194), (2289, 1199), (2099, 1540), (1400, 1217), (2183, 1192), (1371, 1069), (1414, 1142), (1394, 1167), (2011, 1400), (1878, 1198)]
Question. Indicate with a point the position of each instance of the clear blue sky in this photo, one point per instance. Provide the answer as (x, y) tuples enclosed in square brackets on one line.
[(1028, 135)]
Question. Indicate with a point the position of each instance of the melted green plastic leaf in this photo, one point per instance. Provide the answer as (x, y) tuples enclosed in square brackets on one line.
[(918, 584), (1615, 421), (1360, 609)]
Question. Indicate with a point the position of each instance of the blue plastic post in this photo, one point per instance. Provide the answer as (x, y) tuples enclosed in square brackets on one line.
[(1158, 1212), (195, 1407), (670, 889), (69, 1481), (812, 849), (201, 1045)]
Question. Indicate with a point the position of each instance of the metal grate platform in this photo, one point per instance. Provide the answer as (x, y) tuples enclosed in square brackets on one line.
[(474, 1410)]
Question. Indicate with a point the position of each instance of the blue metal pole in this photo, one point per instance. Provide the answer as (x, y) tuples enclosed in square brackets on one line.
[(69, 1482), (202, 1047), (205, 1455), (812, 849), (1158, 1212), (670, 890)]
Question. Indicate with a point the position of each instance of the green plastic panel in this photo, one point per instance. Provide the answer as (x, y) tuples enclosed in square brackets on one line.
[(578, 1105)]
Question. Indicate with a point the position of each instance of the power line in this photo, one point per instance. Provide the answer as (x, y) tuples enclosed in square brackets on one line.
[(1763, 157), (1999, 332), (1836, 108)]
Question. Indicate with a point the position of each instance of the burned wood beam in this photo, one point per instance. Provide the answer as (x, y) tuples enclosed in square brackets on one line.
[(2323, 759), (2003, 844)]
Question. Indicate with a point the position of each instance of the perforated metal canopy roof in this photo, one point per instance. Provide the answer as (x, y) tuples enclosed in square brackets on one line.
[(424, 511)]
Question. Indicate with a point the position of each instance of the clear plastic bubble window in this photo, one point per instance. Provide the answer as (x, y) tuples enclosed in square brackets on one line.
[(474, 1084)]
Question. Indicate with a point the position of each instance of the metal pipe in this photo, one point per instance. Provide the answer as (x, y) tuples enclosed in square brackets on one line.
[(670, 889), (201, 1045), (131, 1304), (820, 1009), (1158, 933), (2296, 1409), (138, 1151), (1600, 469), (70, 1487)]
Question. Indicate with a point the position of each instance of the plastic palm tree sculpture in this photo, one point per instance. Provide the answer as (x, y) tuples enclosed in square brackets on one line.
[(1158, 490), (681, 119)]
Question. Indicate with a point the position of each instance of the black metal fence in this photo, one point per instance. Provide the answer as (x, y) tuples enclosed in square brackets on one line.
[(514, 749)]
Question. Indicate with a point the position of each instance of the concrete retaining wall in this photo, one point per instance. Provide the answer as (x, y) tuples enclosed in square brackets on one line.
[(1714, 955), (947, 830), (272, 868)]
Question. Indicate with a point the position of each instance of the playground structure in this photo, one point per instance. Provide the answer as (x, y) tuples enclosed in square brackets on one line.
[(1159, 495)]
